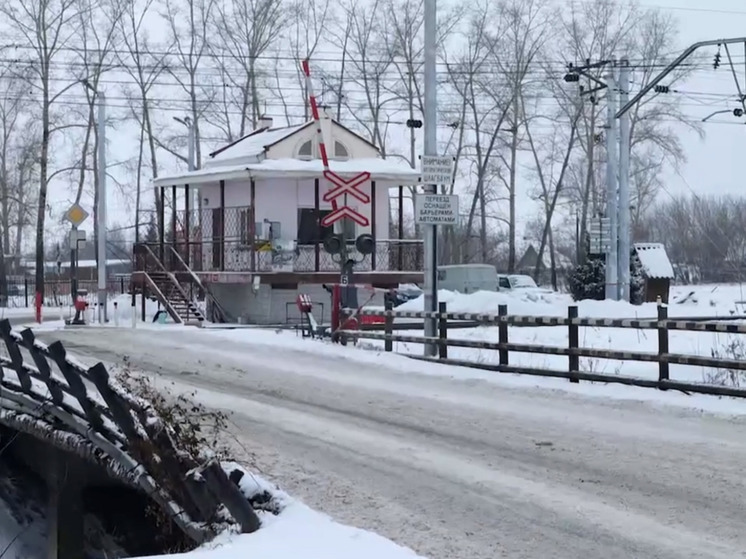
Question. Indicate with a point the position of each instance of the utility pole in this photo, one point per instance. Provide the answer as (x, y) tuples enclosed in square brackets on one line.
[(625, 232), (431, 148), (101, 211), (612, 209)]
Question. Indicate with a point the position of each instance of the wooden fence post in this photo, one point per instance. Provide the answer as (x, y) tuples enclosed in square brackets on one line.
[(573, 342), (16, 358), (442, 332), (662, 341), (502, 332), (388, 326)]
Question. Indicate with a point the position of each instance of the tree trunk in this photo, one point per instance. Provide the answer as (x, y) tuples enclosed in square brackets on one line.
[(42, 206)]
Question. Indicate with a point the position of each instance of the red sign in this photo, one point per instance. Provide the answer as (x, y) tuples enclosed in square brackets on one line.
[(342, 212), (341, 188)]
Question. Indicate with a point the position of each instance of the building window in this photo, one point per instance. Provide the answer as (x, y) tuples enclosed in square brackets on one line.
[(340, 151), (310, 230), (306, 150)]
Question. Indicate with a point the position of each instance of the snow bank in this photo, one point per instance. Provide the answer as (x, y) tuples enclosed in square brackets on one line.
[(719, 300), (297, 532)]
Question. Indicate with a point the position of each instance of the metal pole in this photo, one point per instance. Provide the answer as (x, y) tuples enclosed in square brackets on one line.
[(101, 211), (431, 148), (612, 280), (624, 195)]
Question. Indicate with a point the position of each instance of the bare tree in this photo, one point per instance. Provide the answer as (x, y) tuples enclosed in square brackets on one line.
[(368, 65), (46, 27), (190, 24), (604, 30), (144, 69), (552, 155), (245, 31), (308, 26)]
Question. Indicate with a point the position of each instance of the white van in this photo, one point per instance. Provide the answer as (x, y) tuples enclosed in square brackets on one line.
[(467, 278)]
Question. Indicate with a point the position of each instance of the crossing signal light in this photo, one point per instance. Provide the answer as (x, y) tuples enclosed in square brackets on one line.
[(738, 112), (716, 63), (662, 89), (414, 123), (571, 77)]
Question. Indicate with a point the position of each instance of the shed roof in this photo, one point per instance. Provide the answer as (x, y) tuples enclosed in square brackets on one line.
[(654, 260)]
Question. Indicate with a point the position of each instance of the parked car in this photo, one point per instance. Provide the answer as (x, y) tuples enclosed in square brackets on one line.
[(519, 282), (467, 278)]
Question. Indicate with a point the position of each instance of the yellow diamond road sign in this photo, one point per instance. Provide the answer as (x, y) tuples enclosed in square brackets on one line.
[(76, 215)]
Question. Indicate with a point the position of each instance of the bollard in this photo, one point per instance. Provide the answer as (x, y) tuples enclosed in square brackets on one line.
[(116, 314), (134, 314)]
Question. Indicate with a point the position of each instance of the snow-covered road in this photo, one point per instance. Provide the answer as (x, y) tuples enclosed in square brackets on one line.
[(459, 468)]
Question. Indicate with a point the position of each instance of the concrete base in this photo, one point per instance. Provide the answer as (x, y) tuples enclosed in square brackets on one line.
[(273, 305)]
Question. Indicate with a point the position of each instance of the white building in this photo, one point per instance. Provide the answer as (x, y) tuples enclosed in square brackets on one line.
[(260, 211)]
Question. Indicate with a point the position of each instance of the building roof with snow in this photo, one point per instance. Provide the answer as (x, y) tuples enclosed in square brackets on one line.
[(654, 260), (293, 152)]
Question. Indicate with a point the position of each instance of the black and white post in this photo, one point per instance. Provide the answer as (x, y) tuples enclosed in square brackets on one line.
[(612, 279), (431, 149)]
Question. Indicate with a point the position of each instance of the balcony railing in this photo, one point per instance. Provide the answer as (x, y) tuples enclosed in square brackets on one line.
[(207, 246), (205, 256)]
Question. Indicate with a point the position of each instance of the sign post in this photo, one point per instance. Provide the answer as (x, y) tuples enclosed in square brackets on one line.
[(436, 170), (75, 215), (342, 188)]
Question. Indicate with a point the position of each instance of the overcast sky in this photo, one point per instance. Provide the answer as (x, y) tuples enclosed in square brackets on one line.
[(714, 164)]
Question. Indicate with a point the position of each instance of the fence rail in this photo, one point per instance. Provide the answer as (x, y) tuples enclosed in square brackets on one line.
[(573, 351), (20, 292), (81, 410)]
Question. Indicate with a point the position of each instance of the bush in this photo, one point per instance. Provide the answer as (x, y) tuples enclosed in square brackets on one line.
[(588, 280), (734, 349)]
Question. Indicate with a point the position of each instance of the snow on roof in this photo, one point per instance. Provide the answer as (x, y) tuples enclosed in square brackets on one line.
[(379, 168), (252, 145), (655, 262)]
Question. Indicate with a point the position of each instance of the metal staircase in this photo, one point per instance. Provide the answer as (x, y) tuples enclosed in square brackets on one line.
[(174, 286)]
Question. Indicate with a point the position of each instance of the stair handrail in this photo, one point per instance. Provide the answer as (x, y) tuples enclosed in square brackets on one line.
[(195, 279), (170, 275), (169, 307)]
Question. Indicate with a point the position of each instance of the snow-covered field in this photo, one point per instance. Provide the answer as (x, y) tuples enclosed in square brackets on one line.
[(709, 301)]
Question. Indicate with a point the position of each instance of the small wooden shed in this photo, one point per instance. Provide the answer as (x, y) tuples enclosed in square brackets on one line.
[(657, 271)]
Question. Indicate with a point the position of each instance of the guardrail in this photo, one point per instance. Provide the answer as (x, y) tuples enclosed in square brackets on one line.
[(82, 410), (502, 320)]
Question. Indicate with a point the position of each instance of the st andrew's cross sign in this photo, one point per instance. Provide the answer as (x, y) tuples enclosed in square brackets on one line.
[(341, 187)]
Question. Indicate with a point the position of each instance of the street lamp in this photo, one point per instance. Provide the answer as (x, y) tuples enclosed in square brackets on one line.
[(101, 203)]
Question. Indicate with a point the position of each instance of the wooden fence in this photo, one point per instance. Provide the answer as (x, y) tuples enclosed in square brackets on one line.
[(502, 320), (81, 410)]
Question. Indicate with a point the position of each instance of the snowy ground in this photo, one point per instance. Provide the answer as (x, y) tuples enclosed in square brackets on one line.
[(453, 462), (297, 532)]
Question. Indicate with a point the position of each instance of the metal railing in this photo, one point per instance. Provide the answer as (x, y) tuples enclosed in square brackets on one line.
[(573, 351), (80, 410)]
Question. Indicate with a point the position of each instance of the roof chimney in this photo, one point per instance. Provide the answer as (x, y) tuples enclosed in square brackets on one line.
[(265, 121)]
